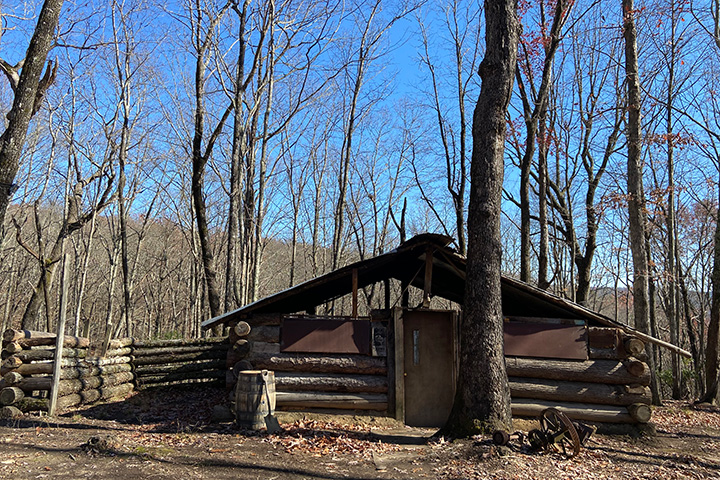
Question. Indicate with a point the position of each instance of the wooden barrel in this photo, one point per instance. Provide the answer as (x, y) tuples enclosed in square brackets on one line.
[(254, 398)]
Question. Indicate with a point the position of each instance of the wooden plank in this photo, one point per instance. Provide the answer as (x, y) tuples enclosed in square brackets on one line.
[(309, 335), (545, 340)]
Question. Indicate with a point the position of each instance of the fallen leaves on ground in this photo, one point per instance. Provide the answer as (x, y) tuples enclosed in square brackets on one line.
[(329, 438)]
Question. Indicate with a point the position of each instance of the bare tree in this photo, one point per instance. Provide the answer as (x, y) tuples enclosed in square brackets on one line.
[(204, 23), (29, 89), (482, 400)]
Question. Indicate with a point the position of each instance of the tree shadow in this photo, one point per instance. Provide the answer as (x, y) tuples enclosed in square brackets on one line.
[(240, 469), (655, 459), (189, 410)]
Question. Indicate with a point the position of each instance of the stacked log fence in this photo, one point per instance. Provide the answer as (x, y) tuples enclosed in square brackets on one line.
[(160, 363), (611, 386), (338, 382), (85, 378)]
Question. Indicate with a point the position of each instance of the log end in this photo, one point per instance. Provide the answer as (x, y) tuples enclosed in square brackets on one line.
[(634, 346), (640, 412), (9, 412)]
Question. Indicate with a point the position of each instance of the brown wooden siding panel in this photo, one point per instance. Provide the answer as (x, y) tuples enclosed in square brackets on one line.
[(325, 336), (545, 341)]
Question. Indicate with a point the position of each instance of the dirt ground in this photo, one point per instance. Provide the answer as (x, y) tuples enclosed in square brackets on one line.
[(168, 435)]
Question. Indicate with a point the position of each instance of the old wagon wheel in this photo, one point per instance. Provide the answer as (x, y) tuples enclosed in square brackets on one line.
[(560, 431)]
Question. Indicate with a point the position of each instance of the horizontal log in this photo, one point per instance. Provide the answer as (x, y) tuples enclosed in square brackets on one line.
[(265, 333), (106, 393), (66, 372), (118, 352), (11, 395), (116, 343), (173, 377), (69, 386), (49, 354), (607, 353), (10, 335), (522, 407), (205, 382), (11, 378), (11, 363), (299, 362), (95, 362), (215, 363), (29, 338), (636, 367), (592, 371), (185, 357), (66, 401), (9, 412), (31, 404), (93, 371), (157, 351), (580, 392), (12, 347), (321, 382), (331, 400), (179, 342), (116, 391)]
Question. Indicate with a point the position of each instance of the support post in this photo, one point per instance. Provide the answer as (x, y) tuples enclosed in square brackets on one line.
[(354, 293), (427, 283), (60, 339)]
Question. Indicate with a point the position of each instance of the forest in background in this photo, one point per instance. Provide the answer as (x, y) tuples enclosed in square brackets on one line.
[(192, 157)]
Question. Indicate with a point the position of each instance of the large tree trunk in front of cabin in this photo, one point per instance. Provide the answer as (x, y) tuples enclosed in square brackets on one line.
[(482, 400)]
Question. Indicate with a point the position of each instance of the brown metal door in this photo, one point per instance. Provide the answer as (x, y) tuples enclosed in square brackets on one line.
[(429, 362)]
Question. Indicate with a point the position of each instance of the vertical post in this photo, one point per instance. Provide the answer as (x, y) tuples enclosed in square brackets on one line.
[(386, 284), (354, 293), (60, 339), (427, 283), (396, 366)]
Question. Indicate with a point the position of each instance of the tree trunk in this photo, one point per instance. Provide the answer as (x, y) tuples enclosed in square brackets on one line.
[(29, 92), (636, 195), (482, 400), (712, 393)]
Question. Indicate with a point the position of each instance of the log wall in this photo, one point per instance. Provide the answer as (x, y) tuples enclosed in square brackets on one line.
[(307, 381), (610, 386), (128, 365)]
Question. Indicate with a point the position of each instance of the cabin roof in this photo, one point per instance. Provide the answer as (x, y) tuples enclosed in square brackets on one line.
[(406, 263)]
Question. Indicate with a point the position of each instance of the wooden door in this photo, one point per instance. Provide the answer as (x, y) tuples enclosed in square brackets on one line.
[(429, 358)]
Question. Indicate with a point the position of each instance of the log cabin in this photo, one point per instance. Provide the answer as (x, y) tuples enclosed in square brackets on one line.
[(402, 361)]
